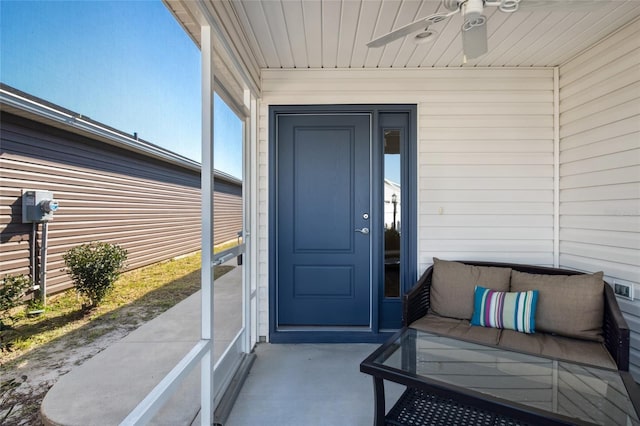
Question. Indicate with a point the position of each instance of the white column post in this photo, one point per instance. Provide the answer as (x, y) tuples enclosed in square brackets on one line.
[(253, 164), (206, 187), (247, 228), (254, 219)]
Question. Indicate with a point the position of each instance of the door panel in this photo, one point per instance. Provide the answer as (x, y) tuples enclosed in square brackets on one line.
[(323, 267), (323, 184)]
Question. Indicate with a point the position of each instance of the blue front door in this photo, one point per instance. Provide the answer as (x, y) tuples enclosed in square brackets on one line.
[(323, 235)]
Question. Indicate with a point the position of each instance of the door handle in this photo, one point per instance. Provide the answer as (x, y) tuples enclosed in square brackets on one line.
[(364, 231)]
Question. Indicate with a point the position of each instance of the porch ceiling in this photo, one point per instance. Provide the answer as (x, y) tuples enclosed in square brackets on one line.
[(333, 33)]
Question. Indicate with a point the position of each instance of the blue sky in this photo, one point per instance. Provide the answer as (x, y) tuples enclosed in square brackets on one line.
[(127, 64)]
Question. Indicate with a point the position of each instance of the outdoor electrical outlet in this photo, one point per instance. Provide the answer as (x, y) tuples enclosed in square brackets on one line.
[(623, 290)]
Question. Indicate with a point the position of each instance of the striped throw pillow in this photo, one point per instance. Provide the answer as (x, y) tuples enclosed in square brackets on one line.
[(499, 309)]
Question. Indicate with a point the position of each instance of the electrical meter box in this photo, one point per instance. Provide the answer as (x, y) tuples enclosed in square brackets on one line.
[(38, 206)]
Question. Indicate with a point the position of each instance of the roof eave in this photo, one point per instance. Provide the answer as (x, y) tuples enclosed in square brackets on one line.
[(33, 108)]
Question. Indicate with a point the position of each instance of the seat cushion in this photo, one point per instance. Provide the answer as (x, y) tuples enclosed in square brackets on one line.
[(456, 328), (568, 305), (453, 285), (558, 347)]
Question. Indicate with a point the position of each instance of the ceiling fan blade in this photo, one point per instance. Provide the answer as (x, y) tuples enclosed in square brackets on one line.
[(418, 25), (474, 41), (560, 5)]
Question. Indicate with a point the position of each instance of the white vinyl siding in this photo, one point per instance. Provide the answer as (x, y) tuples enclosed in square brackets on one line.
[(262, 262), (485, 156), (600, 166)]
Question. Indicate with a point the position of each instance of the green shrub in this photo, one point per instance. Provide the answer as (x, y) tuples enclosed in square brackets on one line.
[(391, 239), (12, 289), (94, 268)]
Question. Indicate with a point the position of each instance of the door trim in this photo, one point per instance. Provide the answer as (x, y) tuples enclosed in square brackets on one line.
[(371, 334)]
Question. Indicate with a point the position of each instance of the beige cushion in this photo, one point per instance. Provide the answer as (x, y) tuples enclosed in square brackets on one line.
[(569, 305), (456, 328), (558, 347), (453, 285)]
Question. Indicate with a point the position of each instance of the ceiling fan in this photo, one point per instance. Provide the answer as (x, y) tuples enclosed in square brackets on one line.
[(474, 26)]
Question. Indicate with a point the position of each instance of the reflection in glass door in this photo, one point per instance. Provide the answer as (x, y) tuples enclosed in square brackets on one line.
[(392, 214), (229, 344)]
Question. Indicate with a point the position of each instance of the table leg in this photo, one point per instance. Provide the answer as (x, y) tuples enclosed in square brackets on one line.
[(379, 410)]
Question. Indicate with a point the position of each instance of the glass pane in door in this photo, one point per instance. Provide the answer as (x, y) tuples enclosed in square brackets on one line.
[(228, 223), (392, 205)]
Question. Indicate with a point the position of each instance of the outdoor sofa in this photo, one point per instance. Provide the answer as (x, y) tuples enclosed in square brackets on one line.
[(576, 316)]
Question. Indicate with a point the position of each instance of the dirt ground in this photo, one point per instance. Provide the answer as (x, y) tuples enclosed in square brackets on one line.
[(26, 379)]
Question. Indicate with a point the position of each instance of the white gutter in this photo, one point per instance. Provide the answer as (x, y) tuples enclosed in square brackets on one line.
[(77, 124), (556, 167)]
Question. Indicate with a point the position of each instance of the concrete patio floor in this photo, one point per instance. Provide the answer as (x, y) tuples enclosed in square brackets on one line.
[(308, 384)]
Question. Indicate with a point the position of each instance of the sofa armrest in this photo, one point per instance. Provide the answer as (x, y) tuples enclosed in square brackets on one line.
[(615, 330), (415, 304)]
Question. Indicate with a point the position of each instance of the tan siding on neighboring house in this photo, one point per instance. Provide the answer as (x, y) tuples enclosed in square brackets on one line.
[(485, 155), (227, 216), (600, 166), (106, 193)]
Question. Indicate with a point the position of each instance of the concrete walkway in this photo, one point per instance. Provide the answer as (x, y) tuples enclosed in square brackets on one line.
[(105, 389), (288, 385)]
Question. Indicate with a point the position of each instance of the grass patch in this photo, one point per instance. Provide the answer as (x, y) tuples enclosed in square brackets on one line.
[(137, 296)]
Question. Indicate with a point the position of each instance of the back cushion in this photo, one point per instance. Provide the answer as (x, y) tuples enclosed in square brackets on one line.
[(568, 305), (453, 285)]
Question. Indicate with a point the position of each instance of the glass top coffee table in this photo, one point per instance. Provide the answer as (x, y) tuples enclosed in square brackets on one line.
[(450, 381)]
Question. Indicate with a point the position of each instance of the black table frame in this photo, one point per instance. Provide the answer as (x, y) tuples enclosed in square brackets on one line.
[(505, 412)]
